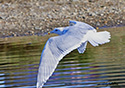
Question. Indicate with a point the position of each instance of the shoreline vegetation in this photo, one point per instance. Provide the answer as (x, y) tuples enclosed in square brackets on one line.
[(116, 31), (36, 17)]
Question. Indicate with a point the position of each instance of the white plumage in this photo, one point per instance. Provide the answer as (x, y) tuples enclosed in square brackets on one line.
[(71, 37)]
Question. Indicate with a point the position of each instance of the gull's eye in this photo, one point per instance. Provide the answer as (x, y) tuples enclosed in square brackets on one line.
[(56, 30)]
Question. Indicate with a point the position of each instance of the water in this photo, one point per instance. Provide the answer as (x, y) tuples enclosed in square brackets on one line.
[(98, 67)]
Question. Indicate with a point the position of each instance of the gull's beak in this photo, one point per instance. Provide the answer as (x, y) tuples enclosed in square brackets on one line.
[(48, 33)]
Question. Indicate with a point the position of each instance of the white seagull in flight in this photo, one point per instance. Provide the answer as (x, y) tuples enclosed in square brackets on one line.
[(74, 36)]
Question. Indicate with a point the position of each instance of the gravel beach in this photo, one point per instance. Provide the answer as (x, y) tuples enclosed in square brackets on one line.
[(34, 17)]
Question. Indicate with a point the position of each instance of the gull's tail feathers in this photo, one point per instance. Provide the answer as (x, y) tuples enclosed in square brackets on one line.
[(96, 38)]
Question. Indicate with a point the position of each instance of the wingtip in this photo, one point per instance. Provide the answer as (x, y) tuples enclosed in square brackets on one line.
[(39, 86), (72, 21)]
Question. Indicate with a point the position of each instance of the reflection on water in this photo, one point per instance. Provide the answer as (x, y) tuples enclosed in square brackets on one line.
[(100, 67)]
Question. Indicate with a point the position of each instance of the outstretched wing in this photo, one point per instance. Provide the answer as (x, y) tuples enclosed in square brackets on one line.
[(56, 48)]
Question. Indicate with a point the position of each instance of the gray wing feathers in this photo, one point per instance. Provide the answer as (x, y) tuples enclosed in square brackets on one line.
[(47, 65), (82, 48), (55, 49)]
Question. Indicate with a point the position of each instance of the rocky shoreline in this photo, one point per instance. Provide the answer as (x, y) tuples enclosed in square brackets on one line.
[(36, 17)]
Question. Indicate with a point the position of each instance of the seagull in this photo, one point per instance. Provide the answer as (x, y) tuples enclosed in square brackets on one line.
[(74, 36)]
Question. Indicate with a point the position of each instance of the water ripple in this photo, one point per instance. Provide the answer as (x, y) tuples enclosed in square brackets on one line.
[(19, 64)]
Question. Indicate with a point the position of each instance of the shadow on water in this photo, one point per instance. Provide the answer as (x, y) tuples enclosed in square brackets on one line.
[(98, 67)]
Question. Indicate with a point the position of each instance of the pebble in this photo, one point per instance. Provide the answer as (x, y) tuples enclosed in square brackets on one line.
[(19, 18)]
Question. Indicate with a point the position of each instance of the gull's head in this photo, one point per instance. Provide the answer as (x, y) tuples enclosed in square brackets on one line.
[(58, 30), (63, 30)]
